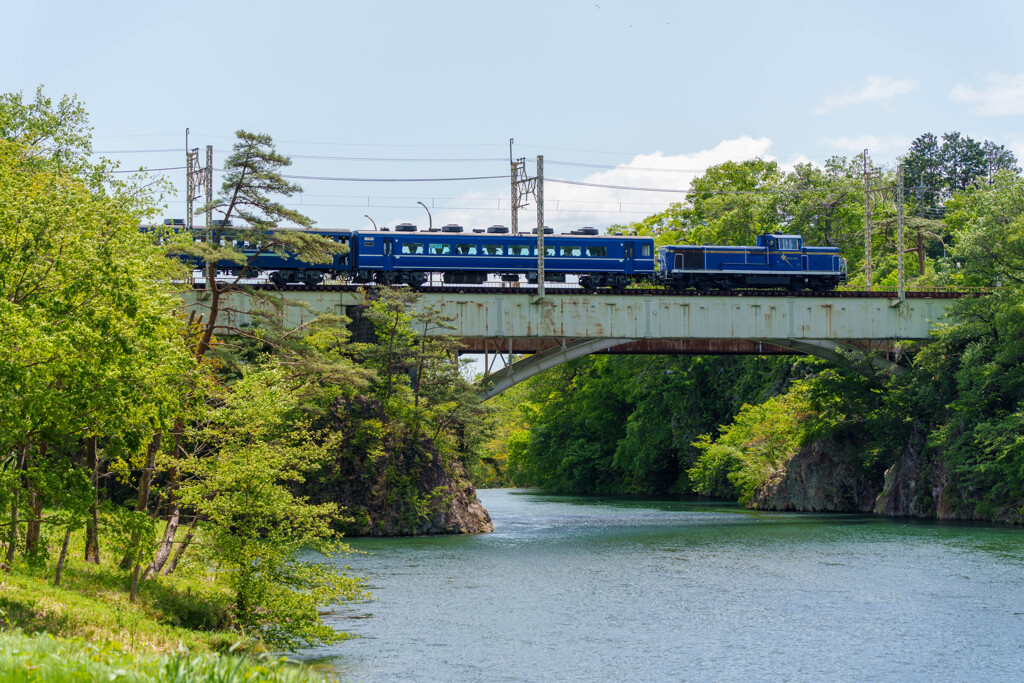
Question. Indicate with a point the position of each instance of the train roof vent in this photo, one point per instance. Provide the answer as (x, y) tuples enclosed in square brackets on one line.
[(174, 221), (585, 231), (547, 231), (497, 229), (222, 223), (405, 227), (451, 227)]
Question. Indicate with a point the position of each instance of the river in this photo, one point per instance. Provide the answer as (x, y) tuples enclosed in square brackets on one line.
[(596, 589)]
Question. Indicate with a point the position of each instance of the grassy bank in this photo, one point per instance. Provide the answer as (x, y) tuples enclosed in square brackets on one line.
[(40, 657), (179, 628)]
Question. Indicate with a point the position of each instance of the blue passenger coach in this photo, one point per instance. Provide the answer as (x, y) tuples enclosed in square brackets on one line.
[(776, 261), (406, 257)]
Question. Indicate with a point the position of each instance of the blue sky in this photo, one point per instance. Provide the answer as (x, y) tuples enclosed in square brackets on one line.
[(605, 90)]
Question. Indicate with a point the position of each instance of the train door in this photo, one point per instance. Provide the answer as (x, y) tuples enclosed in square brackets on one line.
[(628, 265), (388, 252)]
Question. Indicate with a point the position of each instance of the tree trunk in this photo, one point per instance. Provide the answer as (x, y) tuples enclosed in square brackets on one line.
[(92, 525), (172, 564), (34, 500), (135, 583), (920, 251), (63, 556), (163, 551), (145, 481), (12, 542), (211, 320)]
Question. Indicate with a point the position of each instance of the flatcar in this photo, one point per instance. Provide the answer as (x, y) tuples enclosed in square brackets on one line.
[(776, 261)]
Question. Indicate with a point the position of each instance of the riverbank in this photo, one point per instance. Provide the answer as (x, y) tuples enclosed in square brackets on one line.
[(177, 628)]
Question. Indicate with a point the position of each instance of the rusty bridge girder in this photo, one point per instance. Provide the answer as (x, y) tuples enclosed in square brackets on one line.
[(568, 325)]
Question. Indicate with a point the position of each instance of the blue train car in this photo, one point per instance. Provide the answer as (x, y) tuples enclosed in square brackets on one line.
[(280, 267), (406, 257), (776, 261)]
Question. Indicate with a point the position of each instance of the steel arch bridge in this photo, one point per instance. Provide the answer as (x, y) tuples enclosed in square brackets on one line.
[(505, 324)]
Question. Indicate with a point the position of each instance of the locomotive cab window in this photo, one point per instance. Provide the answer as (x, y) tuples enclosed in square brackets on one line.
[(465, 249), (597, 251)]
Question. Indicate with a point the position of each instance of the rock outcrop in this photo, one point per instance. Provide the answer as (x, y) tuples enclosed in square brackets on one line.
[(390, 487), (826, 477), (819, 478)]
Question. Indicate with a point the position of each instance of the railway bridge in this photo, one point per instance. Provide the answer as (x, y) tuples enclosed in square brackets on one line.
[(567, 324)]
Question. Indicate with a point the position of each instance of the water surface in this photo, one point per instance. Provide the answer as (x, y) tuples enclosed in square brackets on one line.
[(584, 589)]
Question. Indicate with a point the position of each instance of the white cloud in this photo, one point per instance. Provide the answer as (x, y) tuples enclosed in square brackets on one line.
[(573, 206), (1002, 96), (878, 88), (1015, 143), (874, 144)]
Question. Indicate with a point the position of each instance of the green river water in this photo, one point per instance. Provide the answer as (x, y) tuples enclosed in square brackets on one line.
[(611, 589)]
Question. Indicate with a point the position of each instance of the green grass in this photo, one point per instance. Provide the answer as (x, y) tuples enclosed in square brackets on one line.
[(92, 603), (41, 658), (179, 628)]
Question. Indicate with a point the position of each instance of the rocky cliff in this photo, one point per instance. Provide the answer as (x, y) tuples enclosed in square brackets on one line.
[(819, 478), (393, 486), (826, 476)]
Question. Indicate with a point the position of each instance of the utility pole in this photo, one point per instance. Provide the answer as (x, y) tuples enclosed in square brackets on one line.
[(209, 187), (900, 282), (539, 194), (867, 223), (195, 178), (522, 187)]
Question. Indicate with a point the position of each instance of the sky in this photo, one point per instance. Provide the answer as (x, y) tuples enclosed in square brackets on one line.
[(638, 94)]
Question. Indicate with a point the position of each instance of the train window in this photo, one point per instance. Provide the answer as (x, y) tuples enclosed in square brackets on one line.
[(439, 249), (645, 250), (549, 251), (465, 249), (572, 251), (789, 244), (518, 250), (412, 248), (367, 241), (491, 249), (597, 251)]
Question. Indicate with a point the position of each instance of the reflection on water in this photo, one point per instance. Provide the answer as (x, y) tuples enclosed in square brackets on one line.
[(570, 588)]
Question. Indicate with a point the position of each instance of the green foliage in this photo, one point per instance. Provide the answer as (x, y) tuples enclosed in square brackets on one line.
[(759, 440), (255, 526), (40, 658), (631, 421)]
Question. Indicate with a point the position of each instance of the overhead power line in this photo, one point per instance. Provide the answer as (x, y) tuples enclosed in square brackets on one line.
[(391, 180)]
